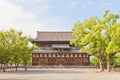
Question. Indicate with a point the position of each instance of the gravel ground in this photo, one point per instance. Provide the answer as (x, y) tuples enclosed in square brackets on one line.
[(58, 74)]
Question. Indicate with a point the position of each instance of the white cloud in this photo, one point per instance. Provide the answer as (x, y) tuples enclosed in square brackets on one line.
[(15, 16), (31, 2), (55, 24), (38, 6), (83, 4)]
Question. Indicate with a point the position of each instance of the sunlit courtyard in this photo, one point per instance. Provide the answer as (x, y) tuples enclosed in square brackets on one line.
[(58, 74)]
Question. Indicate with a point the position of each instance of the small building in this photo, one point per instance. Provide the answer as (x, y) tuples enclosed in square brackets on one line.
[(54, 49)]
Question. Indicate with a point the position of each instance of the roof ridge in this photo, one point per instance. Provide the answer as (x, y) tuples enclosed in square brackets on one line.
[(54, 36), (54, 31)]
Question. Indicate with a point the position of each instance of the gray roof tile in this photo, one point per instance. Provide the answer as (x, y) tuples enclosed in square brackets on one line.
[(60, 46), (54, 36)]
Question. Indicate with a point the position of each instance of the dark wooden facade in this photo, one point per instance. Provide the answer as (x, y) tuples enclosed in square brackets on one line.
[(54, 49)]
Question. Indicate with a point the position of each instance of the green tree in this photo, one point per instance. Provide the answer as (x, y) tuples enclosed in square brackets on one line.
[(22, 51), (88, 37), (94, 61), (15, 48), (5, 43), (99, 37), (116, 60), (26, 51), (112, 33)]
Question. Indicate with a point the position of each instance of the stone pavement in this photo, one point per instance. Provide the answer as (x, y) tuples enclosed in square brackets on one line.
[(59, 74)]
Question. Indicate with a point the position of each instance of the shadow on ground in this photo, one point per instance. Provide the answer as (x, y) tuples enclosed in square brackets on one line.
[(13, 79), (42, 71)]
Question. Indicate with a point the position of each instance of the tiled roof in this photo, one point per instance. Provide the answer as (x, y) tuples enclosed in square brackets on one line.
[(51, 50), (43, 51), (54, 36), (60, 46)]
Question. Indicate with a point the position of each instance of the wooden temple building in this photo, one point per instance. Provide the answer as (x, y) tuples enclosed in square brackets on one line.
[(54, 49)]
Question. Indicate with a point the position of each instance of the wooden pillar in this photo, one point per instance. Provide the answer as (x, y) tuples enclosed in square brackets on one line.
[(32, 59), (46, 58), (56, 57), (82, 59), (88, 59)]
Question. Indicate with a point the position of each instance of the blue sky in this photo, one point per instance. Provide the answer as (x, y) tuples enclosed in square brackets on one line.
[(30, 16)]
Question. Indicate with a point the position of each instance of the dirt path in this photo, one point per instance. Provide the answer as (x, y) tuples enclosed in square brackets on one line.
[(59, 74)]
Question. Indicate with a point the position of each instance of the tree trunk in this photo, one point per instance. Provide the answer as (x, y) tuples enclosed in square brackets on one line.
[(101, 63), (108, 64), (4, 67), (25, 66), (1, 66), (101, 66), (16, 66)]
